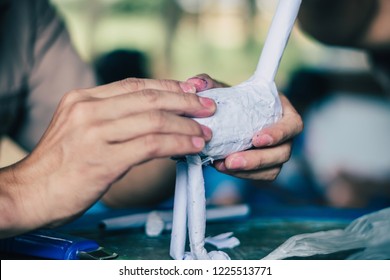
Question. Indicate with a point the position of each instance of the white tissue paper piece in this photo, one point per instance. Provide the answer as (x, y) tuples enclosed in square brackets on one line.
[(223, 241), (154, 224), (369, 233)]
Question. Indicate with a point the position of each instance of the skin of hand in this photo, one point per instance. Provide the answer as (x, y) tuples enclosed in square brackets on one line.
[(272, 145), (137, 190), (95, 137)]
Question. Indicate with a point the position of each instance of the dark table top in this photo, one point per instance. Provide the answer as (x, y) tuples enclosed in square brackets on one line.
[(259, 233)]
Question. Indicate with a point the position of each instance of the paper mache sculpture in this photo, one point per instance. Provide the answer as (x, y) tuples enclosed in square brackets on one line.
[(242, 110)]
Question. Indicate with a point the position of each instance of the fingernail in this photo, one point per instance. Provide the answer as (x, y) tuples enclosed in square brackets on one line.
[(263, 140), (199, 83), (236, 163), (198, 142), (207, 102), (187, 87), (207, 132)]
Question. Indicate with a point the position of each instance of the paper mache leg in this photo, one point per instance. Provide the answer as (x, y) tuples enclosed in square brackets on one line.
[(196, 208), (179, 223)]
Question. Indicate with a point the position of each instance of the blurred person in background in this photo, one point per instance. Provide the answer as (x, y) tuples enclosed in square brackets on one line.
[(120, 64), (346, 115), (84, 140)]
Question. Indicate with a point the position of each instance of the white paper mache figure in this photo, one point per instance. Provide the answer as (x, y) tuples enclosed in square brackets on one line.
[(242, 111)]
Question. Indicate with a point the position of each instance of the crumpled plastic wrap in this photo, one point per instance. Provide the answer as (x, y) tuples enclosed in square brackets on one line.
[(370, 233)]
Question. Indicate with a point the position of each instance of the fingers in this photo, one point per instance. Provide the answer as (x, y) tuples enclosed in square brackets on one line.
[(266, 163), (99, 109), (178, 103), (152, 122), (266, 174), (134, 85), (157, 146), (289, 126), (257, 164), (203, 82)]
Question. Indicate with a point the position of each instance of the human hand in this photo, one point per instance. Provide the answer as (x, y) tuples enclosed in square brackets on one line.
[(272, 145), (96, 136)]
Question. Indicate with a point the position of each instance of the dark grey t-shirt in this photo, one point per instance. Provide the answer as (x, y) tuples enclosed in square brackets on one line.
[(38, 64)]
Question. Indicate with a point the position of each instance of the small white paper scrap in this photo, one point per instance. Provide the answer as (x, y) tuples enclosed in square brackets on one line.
[(223, 241), (154, 224)]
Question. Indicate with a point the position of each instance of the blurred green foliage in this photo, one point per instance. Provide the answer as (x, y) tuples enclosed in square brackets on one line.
[(99, 26), (136, 6)]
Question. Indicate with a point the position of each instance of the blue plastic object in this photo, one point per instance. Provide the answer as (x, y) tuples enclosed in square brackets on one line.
[(48, 244)]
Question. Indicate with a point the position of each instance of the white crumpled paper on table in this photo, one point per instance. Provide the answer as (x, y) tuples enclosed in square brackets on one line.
[(371, 233)]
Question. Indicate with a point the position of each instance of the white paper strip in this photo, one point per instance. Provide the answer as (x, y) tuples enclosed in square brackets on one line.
[(196, 207), (277, 38), (219, 213), (179, 223)]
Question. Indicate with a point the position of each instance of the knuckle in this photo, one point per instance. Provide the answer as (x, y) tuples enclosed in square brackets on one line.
[(196, 128), (190, 100), (92, 134), (281, 135), (71, 97), (157, 119), (259, 163), (286, 154), (80, 112), (151, 145), (150, 96), (170, 85), (299, 123), (273, 173), (132, 84)]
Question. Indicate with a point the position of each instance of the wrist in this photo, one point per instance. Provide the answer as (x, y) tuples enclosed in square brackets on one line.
[(11, 218), (19, 206)]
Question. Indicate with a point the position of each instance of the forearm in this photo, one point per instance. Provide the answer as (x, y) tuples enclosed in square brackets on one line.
[(13, 218), (147, 184), (29, 198), (339, 22)]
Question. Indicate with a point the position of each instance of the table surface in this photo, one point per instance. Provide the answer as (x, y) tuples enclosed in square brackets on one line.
[(259, 233)]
